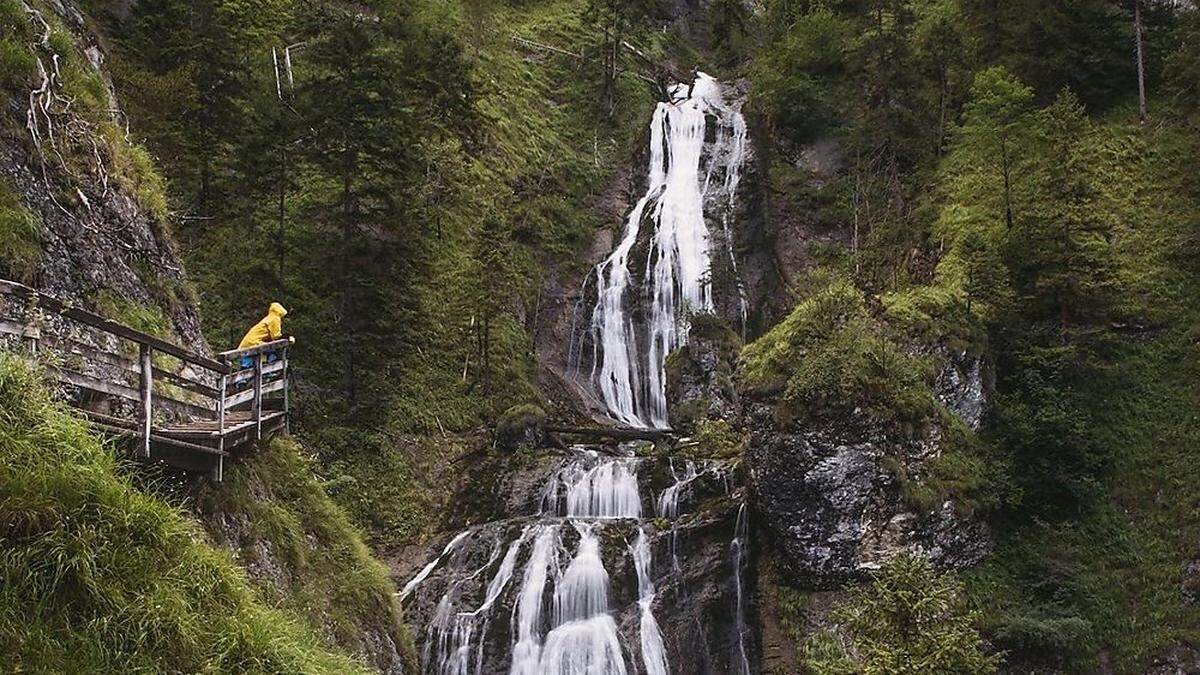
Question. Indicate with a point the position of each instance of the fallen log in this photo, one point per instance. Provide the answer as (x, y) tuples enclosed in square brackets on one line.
[(613, 433)]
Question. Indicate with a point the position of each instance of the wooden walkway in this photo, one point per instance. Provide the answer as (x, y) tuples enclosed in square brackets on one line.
[(173, 405)]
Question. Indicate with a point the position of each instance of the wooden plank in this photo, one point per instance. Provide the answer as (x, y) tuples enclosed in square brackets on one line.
[(188, 430), (90, 383), (247, 373), (248, 395), (277, 345), (19, 330), (120, 361), (256, 404), (83, 316), (136, 435)]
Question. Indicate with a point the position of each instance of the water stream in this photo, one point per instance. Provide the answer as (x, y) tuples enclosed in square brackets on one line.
[(534, 594), (682, 194)]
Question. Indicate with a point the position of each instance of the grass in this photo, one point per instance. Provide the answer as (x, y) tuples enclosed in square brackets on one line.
[(273, 512), (20, 234), (97, 576)]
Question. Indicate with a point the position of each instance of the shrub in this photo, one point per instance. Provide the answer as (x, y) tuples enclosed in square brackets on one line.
[(829, 356), (908, 619), (520, 426)]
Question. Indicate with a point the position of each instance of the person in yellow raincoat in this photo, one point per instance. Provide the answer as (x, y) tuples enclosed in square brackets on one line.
[(269, 329)]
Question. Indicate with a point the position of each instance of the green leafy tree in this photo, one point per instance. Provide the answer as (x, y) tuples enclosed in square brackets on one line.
[(985, 277), (908, 619), (994, 133)]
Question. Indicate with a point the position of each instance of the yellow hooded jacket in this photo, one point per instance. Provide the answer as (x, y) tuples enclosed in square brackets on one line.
[(269, 329)]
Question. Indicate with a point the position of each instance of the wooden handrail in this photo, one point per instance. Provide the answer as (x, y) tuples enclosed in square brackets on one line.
[(275, 346), (263, 378), (85, 317)]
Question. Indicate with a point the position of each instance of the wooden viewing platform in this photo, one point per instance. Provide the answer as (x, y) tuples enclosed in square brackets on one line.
[(191, 417)]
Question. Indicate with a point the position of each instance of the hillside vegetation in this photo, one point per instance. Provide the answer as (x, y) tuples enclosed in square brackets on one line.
[(98, 576), (1007, 200)]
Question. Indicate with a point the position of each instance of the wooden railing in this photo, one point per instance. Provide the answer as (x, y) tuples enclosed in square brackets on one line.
[(207, 407)]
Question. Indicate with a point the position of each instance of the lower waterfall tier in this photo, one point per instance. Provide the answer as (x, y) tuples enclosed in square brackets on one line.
[(541, 589)]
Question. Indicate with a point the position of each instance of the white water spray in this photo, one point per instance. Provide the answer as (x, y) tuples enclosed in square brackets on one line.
[(628, 365), (654, 654)]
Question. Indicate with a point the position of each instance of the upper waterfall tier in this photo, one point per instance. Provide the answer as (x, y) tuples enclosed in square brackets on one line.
[(692, 179)]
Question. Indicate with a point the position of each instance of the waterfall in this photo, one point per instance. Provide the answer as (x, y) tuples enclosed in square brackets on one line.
[(737, 549), (654, 655), (628, 365)]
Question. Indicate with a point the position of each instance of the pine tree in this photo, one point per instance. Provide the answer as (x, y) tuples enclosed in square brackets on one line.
[(994, 132), (1062, 251)]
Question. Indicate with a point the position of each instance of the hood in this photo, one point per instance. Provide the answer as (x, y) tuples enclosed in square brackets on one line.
[(278, 310)]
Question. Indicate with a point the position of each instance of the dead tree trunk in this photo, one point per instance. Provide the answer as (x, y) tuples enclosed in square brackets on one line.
[(1140, 40)]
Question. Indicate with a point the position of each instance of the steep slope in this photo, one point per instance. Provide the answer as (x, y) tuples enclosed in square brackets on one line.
[(98, 576), (84, 210)]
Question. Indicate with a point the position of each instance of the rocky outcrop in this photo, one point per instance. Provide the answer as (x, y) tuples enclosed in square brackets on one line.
[(961, 386), (700, 375), (831, 501), (98, 206), (466, 587)]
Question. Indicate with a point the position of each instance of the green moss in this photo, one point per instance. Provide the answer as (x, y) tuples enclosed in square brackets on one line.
[(276, 504), (715, 439), (145, 318), (513, 424), (830, 357), (20, 232), (96, 576)]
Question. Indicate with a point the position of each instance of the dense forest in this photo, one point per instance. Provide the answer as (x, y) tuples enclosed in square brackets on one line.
[(424, 184)]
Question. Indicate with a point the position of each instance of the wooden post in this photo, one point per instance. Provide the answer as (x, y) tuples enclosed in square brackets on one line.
[(287, 418), (257, 404), (147, 384), (221, 428)]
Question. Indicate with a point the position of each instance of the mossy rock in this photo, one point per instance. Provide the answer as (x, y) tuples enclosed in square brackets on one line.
[(521, 427)]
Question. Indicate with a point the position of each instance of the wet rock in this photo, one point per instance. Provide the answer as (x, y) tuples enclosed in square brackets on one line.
[(961, 387), (521, 427), (831, 502), (700, 375)]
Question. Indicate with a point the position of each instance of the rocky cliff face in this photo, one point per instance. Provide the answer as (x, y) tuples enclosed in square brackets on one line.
[(831, 495), (471, 591), (99, 210)]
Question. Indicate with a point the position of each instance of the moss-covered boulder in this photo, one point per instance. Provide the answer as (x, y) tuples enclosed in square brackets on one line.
[(521, 427)]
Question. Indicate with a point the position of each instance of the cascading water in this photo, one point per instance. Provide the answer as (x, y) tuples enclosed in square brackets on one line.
[(628, 362), (542, 579), (568, 584)]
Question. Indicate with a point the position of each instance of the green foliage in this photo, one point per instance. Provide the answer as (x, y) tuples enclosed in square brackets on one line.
[(146, 318), (20, 234), (273, 504), (96, 576), (792, 80), (514, 423), (393, 486), (716, 439), (17, 65), (908, 619), (829, 357)]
